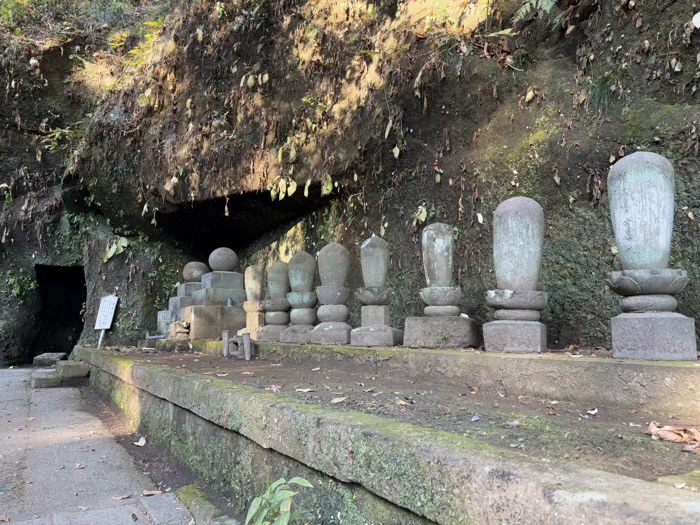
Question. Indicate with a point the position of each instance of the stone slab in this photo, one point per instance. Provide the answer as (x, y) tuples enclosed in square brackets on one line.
[(68, 369), (298, 334), (166, 509), (218, 296), (440, 332), (49, 358), (186, 289), (518, 337), (655, 336), (117, 516), (176, 304), (376, 315), (228, 280), (50, 379), (271, 333), (208, 322), (330, 333), (376, 336), (165, 317), (443, 477)]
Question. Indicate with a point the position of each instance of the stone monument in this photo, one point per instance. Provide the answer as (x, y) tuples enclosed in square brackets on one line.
[(375, 297), (641, 193), (333, 295), (518, 240), (276, 307), (253, 307), (302, 299), (192, 273), (443, 325)]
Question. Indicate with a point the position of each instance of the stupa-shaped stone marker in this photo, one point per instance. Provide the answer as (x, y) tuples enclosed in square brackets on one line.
[(375, 297), (443, 326), (254, 316), (302, 299), (276, 307), (642, 199), (333, 295), (518, 241)]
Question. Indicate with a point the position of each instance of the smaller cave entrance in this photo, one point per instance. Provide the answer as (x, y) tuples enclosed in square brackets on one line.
[(59, 322)]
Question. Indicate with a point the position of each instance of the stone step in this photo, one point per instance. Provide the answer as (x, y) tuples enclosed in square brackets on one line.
[(49, 359)]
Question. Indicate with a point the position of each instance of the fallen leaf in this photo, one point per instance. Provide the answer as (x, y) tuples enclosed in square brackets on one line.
[(691, 215), (248, 373), (316, 369), (679, 485), (152, 492), (274, 388), (592, 412), (83, 508), (79, 466), (530, 95), (221, 375), (338, 400), (120, 497), (141, 442), (401, 402), (5, 519), (687, 435), (475, 418), (305, 390)]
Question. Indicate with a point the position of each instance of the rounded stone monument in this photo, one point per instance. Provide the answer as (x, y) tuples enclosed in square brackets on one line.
[(193, 271), (276, 307), (302, 299), (223, 260), (641, 191), (333, 294)]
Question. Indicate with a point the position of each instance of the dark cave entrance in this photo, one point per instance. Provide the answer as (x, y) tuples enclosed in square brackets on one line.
[(59, 322)]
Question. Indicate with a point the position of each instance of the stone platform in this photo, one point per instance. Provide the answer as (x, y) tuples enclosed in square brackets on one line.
[(440, 332), (393, 471), (656, 336)]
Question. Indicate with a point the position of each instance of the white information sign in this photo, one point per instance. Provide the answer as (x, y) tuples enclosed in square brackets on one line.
[(105, 315)]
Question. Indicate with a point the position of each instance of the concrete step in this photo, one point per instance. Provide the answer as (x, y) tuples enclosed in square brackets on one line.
[(49, 359)]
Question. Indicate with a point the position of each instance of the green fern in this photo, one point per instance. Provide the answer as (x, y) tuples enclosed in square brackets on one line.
[(533, 5)]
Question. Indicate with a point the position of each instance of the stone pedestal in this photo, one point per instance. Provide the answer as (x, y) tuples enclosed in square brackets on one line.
[(440, 332), (519, 337), (254, 319), (376, 336), (655, 336), (208, 322)]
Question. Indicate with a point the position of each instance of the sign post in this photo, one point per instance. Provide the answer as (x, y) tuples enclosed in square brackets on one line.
[(105, 315)]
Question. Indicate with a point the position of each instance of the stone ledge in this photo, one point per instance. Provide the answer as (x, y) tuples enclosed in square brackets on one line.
[(444, 477)]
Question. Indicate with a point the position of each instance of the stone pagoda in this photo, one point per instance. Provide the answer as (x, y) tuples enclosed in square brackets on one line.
[(518, 240), (375, 297), (333, 295), (443, 325), (642, 199), (253, 306), (302, 299)]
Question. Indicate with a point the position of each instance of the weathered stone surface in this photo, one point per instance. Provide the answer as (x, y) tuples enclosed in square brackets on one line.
[(374, 258), (441, 311), (375, 315), (334, 265), (641, 191), (68, 369), (208, 322), (374, 296), (176, 304), (302, 316), (376, 336), (186, 289), (218, 279), (253, 279), (447, 478), (165, 317), (332, 294), (649, 303), (663, 336), (440, 332), (521, 300), (515, 337), (278, 280), (338, 313), (277, 318), (223, 260), (49, 358), (517, 315), (296, 334), (441, 295), (302, 270), (165, 509), (193, 271), (649, 281), (518, 240), (302, 299), (438, 254), (330, 333), (250, 307), (216, 297), (270, 333)]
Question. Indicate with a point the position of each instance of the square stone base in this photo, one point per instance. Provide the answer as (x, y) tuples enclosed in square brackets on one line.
[(375, 315), (329, 333), (517, 337), (440, 332), (656, 336), (298, 334), (208, 322), (270, 333), (376, 336)]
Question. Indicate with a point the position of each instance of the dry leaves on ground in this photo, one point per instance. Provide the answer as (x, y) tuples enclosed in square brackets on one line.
[(687, 435), (152, 493), (338, 400), (141, 442)]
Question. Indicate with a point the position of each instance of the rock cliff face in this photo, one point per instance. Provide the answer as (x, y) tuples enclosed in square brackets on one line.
[(276, 126)]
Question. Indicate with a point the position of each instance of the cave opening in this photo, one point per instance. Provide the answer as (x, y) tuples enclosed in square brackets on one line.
[(59, 322)]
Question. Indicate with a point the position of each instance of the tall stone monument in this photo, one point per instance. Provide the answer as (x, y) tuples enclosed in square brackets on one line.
[(333, 295), (375, 297), (641, 190), (276, 307), (518, 240), (253, 307), (302, 299), (443, 326)]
